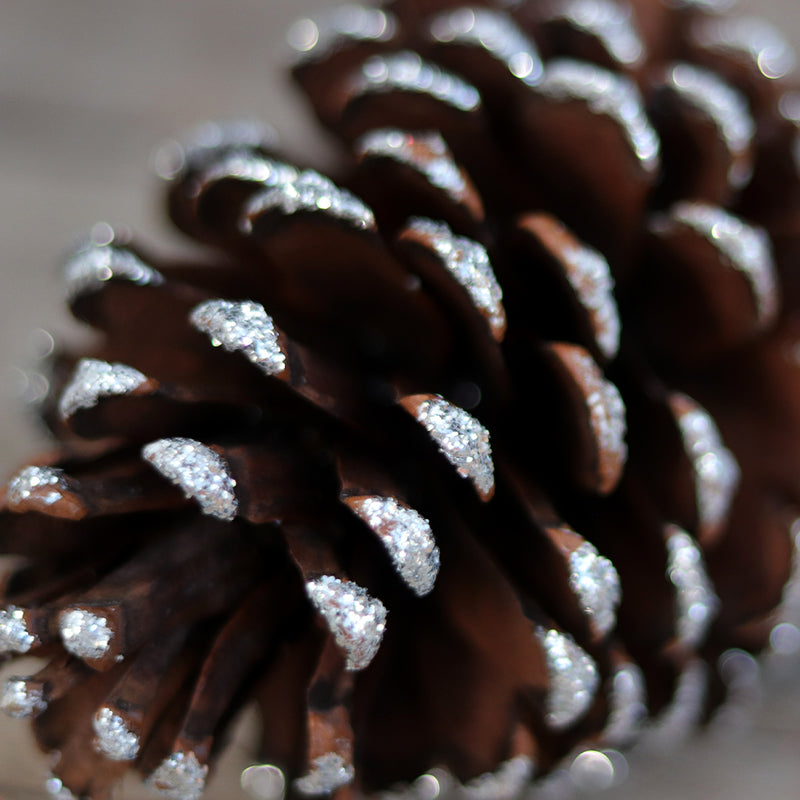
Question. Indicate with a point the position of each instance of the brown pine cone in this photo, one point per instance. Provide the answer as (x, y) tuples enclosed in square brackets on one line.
[(428, 524)]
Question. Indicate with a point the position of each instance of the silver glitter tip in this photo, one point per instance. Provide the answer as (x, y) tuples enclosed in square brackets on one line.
[(20, 701), (242, 326), (462, 440), (113, 737), (197, 469), (327, 774), (573, 678), (264, 782), (627, 705), (14, 634), (407, 536), (35, 486), (356, 619), (93, 379), (180, 776), (596, 583), (85, 635)]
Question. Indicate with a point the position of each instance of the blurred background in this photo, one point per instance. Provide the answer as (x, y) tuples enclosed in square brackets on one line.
[(88, 88)]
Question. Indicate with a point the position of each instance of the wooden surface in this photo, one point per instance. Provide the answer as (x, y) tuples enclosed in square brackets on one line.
[(87, 89)]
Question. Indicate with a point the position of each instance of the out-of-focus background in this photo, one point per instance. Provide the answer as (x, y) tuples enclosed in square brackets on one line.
[(88, 88)]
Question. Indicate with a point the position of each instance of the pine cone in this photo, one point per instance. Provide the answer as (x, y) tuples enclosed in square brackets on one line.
[(423, 521)]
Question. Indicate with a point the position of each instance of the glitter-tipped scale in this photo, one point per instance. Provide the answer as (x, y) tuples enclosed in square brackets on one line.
[(596, 583), (180, 777), (84, 634), (328, 773), (15, 636), (21, 701), (93, 379), (35, 488), (114, 739)]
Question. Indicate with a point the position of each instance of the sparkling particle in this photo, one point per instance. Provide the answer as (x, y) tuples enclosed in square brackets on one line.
[(113, 737), (608, 94), (407, 72), (14, 634), (180, 777), (590, 277), (56, 789), (496, 33), (21, 702), (31, 484), (573, 678), (696, 603), (93, 379), (202, 474), (596, 583), (328, 773), (356, 620), (468, 262), (264, 782), (462, 440), (505, 783), (84, 634), (628, 705), (748, 249), (716, 470), (248, 166), (407, 536), (92, 266), (242, 326), (310, 192)]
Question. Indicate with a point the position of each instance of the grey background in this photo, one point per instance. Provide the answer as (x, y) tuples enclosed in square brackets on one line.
[(87, 89)]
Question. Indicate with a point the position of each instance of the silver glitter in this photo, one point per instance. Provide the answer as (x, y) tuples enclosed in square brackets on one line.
[(608, 94), (609, 22), (309, 192), (747, 248), (505, 783), (573, 678), (20, 702), (427, 153), (180, 776), (356, 619), (93, 379), (596, 583), (248, 166), (201, 472), (724, 105), (33, 482), (590, 277), (496, 33), (14, 634), (242, 326), (264, 782), (627, 705), (752, 37), (327, 774), (696, 603), (84, 634), (462, 440), (468, 262), (716, 471), (315, 39), (92, 266), (407, 72), (407, 536), (114, 739)]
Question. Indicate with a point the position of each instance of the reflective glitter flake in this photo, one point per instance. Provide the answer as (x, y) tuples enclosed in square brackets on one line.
[(407, 536), (573, 678), (180, 777), (14, 634), (93, 379), (32, 481), (114, 740), (20, 702), (356, 620), (84, 634), (328, 773), (247, 166), (244, 327), (461, 439), (596, 583), (199, 471)]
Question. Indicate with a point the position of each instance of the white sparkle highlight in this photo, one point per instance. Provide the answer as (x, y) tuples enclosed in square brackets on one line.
[(407, 536), (748, 250), (250, 167), (202, 473), (355, 618), (21, 702), (93, 379), (14, 634), (327, 774), (627, 705), (85, 635), (573, 678), (180, 777), (596, 583), (468, 262), (114, 739), (462, 440), (243, 327), (93, 266), (607, 94), (42, 485)]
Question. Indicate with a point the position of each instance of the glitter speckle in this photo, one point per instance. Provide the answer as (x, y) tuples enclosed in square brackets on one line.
[(327, 774), (14, 634), (407, 536), (242, 326), (84, 634), (356, 620), (21, 702), (248, 166), (180, 777), (596, 583), (36, 485), (93, 379), (202, 474), (114, 739)]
